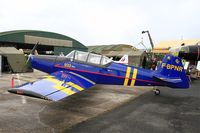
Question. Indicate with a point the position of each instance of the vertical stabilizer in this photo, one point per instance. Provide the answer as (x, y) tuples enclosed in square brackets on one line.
[(172, 72)]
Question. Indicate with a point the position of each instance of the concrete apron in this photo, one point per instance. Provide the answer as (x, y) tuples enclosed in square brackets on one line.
[(27, 114)]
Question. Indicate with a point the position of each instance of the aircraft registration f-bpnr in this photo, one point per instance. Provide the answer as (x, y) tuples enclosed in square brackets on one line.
[(81, 70)]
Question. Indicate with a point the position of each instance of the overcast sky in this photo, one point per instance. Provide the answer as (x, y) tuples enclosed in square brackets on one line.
[(97, 22)]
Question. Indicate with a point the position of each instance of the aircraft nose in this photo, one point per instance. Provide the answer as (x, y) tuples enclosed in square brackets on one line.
[(42, 62)]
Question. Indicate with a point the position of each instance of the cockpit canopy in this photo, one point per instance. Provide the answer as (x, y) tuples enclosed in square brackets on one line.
[(88, 57)]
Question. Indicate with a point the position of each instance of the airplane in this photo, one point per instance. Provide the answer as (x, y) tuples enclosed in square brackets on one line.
[(123, 60), (189, 52), (80, 70)]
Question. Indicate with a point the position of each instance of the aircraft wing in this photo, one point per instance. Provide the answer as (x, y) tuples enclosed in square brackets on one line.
[(55, 87)]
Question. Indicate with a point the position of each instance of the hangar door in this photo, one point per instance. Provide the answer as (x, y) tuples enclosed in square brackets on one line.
[(14, 58)]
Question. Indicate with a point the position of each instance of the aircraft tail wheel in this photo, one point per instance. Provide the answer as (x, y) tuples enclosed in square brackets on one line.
[(157, 92)]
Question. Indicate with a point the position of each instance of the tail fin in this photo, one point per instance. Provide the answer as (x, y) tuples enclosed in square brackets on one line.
[(171, 71), (123, 60)]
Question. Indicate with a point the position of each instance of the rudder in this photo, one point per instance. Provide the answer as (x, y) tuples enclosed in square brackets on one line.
[(173, 71)]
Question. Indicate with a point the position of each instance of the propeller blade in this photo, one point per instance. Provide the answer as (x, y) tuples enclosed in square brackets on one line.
[(29, 56), (34, 48), (32, 52)]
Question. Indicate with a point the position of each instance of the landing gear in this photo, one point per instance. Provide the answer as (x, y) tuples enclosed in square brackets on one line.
[(157, 91)]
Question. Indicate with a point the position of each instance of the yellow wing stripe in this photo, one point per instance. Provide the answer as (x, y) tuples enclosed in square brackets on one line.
[(58, 86), (75, 86), (48, 76), (55, 81), (134, 77), (63, 89), (128, 71)]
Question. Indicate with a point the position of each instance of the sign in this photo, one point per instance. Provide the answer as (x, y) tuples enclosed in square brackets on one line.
[(169, 66)]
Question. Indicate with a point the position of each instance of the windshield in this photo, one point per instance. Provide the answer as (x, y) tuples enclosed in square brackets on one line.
[(88, 57), (70, 55)]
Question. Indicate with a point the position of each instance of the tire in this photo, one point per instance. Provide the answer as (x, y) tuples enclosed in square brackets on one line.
[(157, 92)]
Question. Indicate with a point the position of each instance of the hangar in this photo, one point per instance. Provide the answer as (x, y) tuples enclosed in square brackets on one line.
[(13, 45), (164, 46), (136, 57)]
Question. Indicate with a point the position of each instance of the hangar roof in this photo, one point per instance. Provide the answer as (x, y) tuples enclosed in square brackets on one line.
[(122, 53), (44, 37), (163, 46), (99, 49), (176, 43)]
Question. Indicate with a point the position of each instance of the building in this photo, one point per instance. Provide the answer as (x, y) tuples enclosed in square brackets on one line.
[(135, 56), (164, 46), (13, 45)]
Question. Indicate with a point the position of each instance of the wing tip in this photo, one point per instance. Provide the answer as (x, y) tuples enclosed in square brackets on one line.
[(28, 93)]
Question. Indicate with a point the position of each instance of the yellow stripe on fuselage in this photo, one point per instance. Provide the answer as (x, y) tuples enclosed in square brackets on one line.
[(134, 77), (128, 71), (75, 86)]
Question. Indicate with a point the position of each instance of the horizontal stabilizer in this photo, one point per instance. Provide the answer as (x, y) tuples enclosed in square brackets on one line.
[(167, 79)]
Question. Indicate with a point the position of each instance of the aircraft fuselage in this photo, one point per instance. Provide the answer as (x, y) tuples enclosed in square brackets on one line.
[(115, 73)]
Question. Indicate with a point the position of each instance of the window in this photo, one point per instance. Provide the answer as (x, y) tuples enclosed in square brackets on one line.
[(88, 58), (81, 56), (94, 58)]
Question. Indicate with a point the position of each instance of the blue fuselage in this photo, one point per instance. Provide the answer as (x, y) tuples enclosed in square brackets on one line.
[(112, 74)]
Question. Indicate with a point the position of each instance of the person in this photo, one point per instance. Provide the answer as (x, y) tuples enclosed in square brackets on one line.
[(154, 64), (144, 62)]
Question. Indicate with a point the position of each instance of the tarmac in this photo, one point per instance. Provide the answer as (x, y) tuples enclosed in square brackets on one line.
[(173, 111), (27, 114)]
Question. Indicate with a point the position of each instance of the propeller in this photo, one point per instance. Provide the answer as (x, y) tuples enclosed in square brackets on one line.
[(32, 52)]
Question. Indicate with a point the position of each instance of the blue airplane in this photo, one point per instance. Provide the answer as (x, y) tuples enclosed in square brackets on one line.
[(79, 71)]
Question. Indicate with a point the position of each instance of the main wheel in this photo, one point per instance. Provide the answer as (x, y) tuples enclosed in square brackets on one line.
[(157, 92)]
